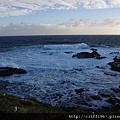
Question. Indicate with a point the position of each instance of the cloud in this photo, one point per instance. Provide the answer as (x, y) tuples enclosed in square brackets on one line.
[(76, 23), (110, 23), (22, 7), (106, 23), (72, 26)]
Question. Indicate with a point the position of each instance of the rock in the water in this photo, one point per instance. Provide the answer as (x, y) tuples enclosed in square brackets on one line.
[(79, 90), (105, 95), (99, 67), (115, 65), (8, 71), (93, 49), (93, 54), (19, 71), (116, 59), (111, 101), (68, 52), (109, 73), (116, 90), (96, 97), (84, 55), (114, 53)]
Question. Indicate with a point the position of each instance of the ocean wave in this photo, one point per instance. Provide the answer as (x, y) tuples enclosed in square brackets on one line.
[(8, 64), (65, 47)]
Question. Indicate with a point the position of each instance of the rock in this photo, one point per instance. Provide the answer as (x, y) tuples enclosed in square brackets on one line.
[(63, 82), (96, 54), (117, 100), (114, 53), (109, 73), (79, 90), (115, 65), (99, 58), (116, 90), (96, 97), (19, 71), (104, 95), (100, 67), (8, 71), (116, 59), (78, 69), (93, 49), (93, 54), (68, 52), (111, 101), (83, 55)]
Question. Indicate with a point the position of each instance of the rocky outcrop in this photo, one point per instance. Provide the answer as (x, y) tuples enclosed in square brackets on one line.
[(110, 73), (83, 55), (96, 97), (79, 90), (116, 90), (8, 71), (114, 53), (93, 54), (115, 65), (70, 52)]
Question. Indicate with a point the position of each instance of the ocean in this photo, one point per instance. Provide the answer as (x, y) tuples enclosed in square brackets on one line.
[(53, 76)]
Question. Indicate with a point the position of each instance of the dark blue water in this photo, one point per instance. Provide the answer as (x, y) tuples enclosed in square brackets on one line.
[(52, 73), (91, 40)]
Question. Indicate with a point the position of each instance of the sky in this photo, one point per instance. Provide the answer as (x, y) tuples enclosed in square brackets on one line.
[(59, 17)]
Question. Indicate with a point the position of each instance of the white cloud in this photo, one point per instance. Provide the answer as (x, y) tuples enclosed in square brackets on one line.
[(106, 23), (22, 7), (111, 23), (72, 26), (75, 23)]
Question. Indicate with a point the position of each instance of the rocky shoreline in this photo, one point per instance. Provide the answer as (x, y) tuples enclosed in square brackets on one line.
[(111, 97), (115, 65), (8, 71), (80, 96)]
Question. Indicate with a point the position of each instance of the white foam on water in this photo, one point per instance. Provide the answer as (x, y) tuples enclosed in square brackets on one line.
[(52, 72), (66, 47)]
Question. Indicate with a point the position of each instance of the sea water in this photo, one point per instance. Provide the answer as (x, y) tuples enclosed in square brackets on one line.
[(53, 76)]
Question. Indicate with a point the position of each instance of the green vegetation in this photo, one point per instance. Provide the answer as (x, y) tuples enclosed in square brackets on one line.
[(31, 109), (30, 105), (12, 107)]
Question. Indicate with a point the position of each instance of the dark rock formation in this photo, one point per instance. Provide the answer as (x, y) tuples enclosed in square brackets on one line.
[(84, 55), (115, 65), (116, 59), (79, 90), (99, 67), (68, 52), (111, 101), (116, 90), (109, 73), (105, 95), (114, 53), (93, 54), (115, 102), (8, 71), (93, 49), (96, 97)]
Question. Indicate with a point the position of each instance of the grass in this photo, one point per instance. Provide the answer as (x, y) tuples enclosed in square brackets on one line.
[(28, 109), (29, 105), (32, 109)]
